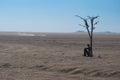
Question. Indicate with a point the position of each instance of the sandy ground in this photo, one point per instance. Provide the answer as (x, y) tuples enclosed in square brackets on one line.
[(59, 57)]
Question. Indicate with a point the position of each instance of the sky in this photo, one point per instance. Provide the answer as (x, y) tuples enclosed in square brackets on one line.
[(58, 15)]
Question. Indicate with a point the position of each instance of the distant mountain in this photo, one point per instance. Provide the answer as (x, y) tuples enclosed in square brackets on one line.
[(79, 31), (106, 32)]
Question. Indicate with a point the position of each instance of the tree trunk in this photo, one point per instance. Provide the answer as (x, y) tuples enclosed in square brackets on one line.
[(91, 45), (91, 39)]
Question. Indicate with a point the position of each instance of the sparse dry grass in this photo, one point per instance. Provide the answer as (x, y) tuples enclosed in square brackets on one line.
[(59, 57)]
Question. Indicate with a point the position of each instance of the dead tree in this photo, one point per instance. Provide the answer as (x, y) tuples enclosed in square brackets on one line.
[(90, 27)]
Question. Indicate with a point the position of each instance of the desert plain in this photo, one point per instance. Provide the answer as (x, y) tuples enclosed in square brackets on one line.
[(58, 56)]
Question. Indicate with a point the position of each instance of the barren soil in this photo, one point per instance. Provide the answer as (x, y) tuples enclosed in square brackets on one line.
[(59, 57)]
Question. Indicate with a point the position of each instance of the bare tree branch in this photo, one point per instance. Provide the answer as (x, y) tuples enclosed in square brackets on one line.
[(89, 17), (80, 17), (86, 23), (93, 28), (85, 20), (82, 25), (96, 22), (93, 18), (88, 32)]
